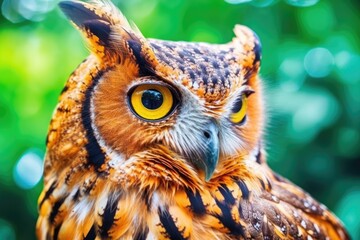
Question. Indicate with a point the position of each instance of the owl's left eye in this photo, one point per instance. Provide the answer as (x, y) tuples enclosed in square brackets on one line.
[(152, 101), (238, 114)]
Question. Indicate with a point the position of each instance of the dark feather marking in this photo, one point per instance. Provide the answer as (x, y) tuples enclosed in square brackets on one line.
[(48, 193), (215, 64), (95, 155), (293, 231), (163, 59), (222, 80), (222, 58), (203, 69), (64, 89), (63, 110), (48, 236), (226, 219), (241, 211), (56, 232), (257, 49), (198, 72), (145, 68), (214, 79), (91, 234), (182, 68), (77, 195), (257, 221), (244, 189), (192, 75), (196, 50), (269, 184), (55, 208), (47, 136), (229, 198), (157, 47), (147, 198), (181, 55), (100, 29), (205, 79), (278, 177), (248, 74), (186, 53), (266, 230), (262, 183), (169, 225), (197, 205), (168, 45), (258, 157), (191, 59), (108, 216), (141, 235), (87, 187)]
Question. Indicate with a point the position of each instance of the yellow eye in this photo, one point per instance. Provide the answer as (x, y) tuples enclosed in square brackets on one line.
[(238, 114), (152, 101)]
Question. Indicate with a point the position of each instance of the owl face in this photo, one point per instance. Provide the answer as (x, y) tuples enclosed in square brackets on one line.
[(199, 103)]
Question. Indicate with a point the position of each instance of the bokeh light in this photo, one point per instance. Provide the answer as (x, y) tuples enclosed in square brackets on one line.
[(351, 137), (319, 26), (237, 1), (318, 62), (291, 74), (262, 3), (6, 230), (302, 3), (20, 10), (317, 110), (28, 170), (348, 209), (348, 67), (256, 3)]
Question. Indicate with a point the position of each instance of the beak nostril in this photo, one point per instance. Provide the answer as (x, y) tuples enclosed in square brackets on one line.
[(206, 134)]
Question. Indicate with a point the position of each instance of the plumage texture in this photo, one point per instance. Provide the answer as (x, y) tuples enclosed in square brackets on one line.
[(196, 172)]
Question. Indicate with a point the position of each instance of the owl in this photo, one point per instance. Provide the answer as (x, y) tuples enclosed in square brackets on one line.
[(156, 139)]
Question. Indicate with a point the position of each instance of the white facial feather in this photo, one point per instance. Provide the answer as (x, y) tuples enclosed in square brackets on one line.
[(193, 119), (187, 135)]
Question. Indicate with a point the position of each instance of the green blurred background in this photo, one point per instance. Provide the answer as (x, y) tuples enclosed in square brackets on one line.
[(310, 69)]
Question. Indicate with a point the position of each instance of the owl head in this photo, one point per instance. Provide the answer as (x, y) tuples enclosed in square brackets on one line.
[(154, 108)]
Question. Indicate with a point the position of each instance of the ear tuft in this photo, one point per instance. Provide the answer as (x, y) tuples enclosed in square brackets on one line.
[(91, 20), (109, 34), (101, 22), (249, 46), (79, 12)]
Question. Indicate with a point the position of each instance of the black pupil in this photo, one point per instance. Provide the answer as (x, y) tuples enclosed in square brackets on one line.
[(237, 106), (152, 99)]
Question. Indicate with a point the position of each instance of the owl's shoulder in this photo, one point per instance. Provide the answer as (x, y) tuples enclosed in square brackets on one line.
[(263, 207)]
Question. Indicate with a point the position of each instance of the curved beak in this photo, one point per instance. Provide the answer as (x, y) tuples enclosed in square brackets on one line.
[(209, 155)]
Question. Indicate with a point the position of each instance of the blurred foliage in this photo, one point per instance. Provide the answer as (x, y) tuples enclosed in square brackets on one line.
[(310, 69)]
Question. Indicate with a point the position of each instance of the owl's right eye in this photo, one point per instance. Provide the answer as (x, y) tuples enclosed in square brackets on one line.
[(152, 102), (238, 114)]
